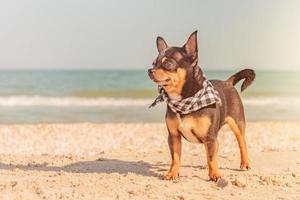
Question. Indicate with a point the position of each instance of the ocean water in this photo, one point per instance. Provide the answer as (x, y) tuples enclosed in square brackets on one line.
[(63, 96)]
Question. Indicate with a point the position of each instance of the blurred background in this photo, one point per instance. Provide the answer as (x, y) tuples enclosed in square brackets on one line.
[(86, 61)]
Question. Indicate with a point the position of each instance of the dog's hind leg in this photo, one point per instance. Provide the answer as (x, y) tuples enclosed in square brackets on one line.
[(238, 128)]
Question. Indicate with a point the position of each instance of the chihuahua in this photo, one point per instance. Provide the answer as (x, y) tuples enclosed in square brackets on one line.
[(176, 72)]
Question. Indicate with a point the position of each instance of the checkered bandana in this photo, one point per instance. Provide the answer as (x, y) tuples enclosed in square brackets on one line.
[(204, 97)]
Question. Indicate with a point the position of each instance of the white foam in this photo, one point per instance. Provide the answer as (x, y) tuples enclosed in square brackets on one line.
[(275, 101), (69, 101)]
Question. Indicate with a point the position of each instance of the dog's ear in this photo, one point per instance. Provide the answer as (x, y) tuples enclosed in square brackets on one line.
[(161, 44), (191, 46)]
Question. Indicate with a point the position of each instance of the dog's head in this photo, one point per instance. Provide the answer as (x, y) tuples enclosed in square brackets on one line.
[(174, 66)]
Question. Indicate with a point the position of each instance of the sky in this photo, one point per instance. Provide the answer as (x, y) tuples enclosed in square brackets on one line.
[(95, 34)]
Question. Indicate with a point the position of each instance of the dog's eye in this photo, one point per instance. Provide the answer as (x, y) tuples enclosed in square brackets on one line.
[(168, 65)]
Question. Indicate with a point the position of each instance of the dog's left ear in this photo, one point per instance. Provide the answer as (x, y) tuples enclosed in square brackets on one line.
[(191, 46)]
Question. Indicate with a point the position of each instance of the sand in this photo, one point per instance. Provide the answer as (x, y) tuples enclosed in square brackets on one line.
[(127, 161)]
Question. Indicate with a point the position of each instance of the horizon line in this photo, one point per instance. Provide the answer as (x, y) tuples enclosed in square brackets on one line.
[(135, 69)]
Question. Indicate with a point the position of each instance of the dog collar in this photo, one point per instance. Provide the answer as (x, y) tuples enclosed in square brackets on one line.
[(206, 96)]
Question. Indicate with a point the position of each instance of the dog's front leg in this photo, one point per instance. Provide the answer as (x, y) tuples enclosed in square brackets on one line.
[(212, 153), (174, 141)]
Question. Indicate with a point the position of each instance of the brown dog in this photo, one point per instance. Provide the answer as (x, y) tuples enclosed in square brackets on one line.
[(176, 71)]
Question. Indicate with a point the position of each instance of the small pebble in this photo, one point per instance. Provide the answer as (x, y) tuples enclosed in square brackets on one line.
[(222, 183)]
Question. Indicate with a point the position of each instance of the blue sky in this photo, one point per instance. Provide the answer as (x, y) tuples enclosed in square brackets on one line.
[(73, 34)]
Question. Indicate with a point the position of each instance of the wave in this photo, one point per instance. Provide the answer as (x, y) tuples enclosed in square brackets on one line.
[(275, 101), (69, 101)]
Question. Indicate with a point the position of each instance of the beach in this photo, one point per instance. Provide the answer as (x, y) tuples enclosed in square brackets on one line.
[(83, 135), (127, 161), (85, 86)]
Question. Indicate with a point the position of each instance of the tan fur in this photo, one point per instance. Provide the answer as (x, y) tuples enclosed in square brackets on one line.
[(175, 148), (163, 59), (212, 161), (172, 124), (199, 126), (240, 136), (174, 140), (174, 87)]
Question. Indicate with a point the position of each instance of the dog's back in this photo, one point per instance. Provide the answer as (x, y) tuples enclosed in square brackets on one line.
[(232, 108)]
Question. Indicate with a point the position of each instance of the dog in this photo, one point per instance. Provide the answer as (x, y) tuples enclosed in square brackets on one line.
[(176, 71)]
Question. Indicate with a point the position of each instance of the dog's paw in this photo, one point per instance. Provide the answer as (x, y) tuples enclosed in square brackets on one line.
[(171, 175), (245, 166), (214, 176)]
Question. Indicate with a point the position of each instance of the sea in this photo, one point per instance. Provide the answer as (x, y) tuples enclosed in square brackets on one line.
[(123, 96)]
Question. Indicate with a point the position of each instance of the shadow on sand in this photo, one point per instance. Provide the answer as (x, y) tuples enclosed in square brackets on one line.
[(106, 166)]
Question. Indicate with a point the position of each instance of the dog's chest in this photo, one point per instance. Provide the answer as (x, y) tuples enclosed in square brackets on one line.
[(194, 129)]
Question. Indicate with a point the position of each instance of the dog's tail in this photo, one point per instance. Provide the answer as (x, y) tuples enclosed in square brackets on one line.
[(247, 74)]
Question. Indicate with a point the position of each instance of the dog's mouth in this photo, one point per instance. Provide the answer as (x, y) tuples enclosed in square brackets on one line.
[(162, 82)]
